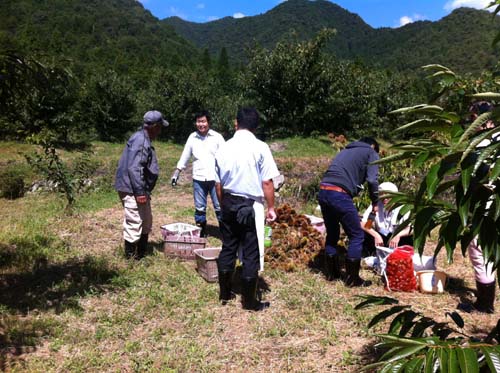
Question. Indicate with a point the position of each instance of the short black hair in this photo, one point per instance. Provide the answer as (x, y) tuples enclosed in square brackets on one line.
[(247, 118), (371, 141), (201, 114)]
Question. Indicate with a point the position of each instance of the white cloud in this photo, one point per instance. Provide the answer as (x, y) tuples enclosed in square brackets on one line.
[(405, 20), (238, 15), (478, 4), (212, 18), (409, 19), (200, 6)]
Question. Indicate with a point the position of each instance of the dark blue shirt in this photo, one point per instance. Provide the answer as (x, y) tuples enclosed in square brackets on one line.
[(351, 168)]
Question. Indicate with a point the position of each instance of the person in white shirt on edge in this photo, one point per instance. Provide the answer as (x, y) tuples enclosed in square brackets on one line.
[(384, 224), (201, 145), (245, 170), (484, 272)]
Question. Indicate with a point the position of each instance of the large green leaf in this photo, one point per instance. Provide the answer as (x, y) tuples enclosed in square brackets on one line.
[(487, 96), (423, 225), (416, 125), (419, 109), (495, 172), (405, 352), (467, 358), (414, 365), (475, 126), (492, 357), (394, 158), (443, 354), (488, 238), (430, 361), (453, 365), (463, 209)]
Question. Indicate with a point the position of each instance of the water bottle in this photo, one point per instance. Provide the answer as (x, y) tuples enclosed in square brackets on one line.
[(268, 231)]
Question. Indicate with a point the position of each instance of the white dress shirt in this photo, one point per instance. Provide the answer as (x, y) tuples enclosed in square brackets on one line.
[(202, 149), (242, 163)]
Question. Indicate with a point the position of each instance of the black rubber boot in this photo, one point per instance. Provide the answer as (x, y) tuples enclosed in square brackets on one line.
[(225, 282), (352, 267), (485, 302), (129, 249), (249, 295), (332, 267), (142, 246), (203, 226)]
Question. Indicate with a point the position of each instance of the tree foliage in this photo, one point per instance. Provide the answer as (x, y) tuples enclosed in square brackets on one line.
[(417, 343), (458, 168), (300, 90), (447, 41)]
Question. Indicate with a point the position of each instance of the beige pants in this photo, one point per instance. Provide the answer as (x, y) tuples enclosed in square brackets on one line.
[(138, 218)]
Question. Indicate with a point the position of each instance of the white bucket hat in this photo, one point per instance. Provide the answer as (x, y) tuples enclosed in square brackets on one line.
[(387, 186)]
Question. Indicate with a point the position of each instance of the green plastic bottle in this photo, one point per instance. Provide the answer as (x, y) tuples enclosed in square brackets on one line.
[(268, 232)]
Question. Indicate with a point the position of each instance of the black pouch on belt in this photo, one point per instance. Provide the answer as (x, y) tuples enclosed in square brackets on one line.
[(245, 214)]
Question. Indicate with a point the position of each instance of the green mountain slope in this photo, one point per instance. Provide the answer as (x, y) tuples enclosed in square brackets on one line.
[(304, 17), (462, 40), (92, 33)]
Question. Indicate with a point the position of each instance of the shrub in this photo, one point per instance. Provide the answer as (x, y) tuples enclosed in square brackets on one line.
[(12, 181)]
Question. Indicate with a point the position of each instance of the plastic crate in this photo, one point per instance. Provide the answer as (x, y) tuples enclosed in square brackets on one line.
[(183, 246), (179, 229), (206, 263)]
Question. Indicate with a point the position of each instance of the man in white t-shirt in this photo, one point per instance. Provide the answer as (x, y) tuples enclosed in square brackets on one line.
[(384, 224), (201, 145), (245, 170)]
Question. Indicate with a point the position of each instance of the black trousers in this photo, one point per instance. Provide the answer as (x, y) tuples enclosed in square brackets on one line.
[(238, 231), (369, 243)]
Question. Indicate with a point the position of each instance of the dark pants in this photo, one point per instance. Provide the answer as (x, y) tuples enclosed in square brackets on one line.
[(337, 208), (369, 243), (237, 227)]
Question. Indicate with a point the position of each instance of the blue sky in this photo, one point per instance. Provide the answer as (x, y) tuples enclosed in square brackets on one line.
[(377, 13)]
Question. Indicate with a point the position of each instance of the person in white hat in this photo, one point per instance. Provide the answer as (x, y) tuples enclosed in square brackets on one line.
[(379, 227), (135, 180)]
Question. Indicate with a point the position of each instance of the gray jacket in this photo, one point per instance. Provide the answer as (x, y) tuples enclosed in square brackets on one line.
[(350, 169), (138, 167)]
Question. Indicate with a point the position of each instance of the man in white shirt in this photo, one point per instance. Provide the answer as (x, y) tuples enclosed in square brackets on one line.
[(201, 145), (245, 169)]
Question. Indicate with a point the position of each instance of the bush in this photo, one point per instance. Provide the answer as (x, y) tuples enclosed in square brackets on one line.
[(12, 181)]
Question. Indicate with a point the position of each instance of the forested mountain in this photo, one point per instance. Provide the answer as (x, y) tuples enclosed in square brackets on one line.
[(117, 34), (302, 17), (462, 40)]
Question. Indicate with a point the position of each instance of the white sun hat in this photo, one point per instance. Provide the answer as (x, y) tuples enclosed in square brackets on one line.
[(387, 186)]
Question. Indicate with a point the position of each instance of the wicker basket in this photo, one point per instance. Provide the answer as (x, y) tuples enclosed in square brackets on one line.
[(183, 246), (206, 263)]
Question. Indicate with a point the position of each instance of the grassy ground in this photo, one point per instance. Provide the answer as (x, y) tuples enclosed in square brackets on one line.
[(69, 301)]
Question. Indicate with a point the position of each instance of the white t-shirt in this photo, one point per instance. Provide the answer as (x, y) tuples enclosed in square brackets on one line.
[(386, 221)]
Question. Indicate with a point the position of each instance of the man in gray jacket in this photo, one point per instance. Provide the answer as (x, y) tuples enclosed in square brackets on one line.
[(342, 181), (135, 180)]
